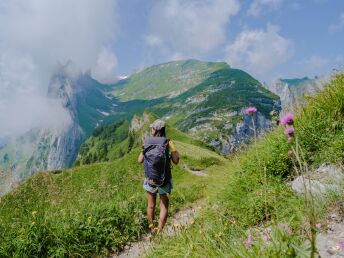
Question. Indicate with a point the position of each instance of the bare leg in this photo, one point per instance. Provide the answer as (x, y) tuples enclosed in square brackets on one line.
[(151, 198), (164, 201)]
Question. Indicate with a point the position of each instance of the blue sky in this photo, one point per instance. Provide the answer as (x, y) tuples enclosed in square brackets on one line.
[(306, 37)]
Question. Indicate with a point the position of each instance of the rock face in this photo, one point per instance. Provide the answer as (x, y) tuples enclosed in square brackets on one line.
[(292, 91), (244, 130), (43, 149), (64, 145)]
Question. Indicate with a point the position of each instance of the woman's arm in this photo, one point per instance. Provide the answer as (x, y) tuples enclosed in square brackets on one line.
[(175, 157), (141, 158)]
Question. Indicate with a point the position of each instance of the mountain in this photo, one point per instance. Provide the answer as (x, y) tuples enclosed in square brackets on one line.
[(46, 148), (293, 91), (203, 99)]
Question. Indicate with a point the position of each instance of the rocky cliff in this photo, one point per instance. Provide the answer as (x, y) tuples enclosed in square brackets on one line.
[(293, 91)]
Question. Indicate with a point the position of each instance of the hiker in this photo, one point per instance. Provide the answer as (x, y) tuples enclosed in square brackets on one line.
[(158, 151)]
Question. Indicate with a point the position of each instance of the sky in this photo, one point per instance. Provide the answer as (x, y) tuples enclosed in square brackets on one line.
[(267, 38), (110, 38)]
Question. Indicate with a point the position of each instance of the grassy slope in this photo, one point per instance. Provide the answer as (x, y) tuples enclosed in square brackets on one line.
[(241, 196), (165, 79), (110, 142), (93, 208)]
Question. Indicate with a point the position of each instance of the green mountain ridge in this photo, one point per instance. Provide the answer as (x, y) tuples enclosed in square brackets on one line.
[(209, 108)]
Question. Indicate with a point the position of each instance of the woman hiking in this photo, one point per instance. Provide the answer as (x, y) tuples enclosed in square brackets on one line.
[(158, 151)]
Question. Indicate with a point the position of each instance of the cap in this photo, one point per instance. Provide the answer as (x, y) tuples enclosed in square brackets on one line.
[(158, 124)]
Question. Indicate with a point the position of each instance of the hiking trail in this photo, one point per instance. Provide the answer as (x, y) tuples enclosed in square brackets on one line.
[(194, 172), (175, 224), (330, 242)]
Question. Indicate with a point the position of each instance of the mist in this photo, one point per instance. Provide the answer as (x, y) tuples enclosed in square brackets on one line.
[(36, 36)]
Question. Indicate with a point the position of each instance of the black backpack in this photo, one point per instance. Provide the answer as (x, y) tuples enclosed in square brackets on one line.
[(156, 161)]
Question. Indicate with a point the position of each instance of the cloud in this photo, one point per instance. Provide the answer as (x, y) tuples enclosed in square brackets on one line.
[(153, 41), (105, 69), (257, 7), (36, 35), (190, 28), (259, 51), (334, 28)]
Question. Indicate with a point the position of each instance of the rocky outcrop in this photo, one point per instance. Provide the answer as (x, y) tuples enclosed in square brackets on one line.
[(293, 91), (244, 130), (42, 149), (325, 180), (64, 144)]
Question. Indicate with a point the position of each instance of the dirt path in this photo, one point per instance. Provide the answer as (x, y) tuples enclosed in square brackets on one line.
[(174, 225), (194, 172), (330, 243)]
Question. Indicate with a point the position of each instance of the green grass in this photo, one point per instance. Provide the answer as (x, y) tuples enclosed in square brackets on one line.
[(241, 198), (93, 209), (162, 80)]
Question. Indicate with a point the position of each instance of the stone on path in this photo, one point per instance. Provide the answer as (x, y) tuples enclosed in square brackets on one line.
[(324, 180)]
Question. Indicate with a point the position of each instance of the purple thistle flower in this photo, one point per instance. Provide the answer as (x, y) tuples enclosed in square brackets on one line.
[(318, 226), (250, 111), (287, 119), (341, 245), (248, 242), (289, 131), (265, 238)]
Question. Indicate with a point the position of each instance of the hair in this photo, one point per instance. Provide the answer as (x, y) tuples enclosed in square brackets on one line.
[(160, 133)]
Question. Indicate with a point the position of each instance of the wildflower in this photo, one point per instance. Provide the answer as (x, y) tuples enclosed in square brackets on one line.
[(33, 223), (250, 111), (248, 242), (265, 238), (341, 245), (287, 119), (290, 153), (289, 131), (34, 213), (176, 225), (318, 226)]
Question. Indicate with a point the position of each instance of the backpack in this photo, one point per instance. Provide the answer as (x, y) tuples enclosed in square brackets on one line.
[(156, 161)]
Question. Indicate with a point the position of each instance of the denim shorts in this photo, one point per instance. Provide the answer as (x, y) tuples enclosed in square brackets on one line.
[(166, 189)]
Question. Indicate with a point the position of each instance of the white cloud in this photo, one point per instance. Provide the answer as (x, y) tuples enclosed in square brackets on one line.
[(105, 69), (338, 26), (35, 36), (259, 51), (257, 7), (153, 41), (190, 28)]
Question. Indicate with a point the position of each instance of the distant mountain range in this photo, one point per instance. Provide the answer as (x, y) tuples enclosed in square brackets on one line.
[(293, 91), (203, 99)]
